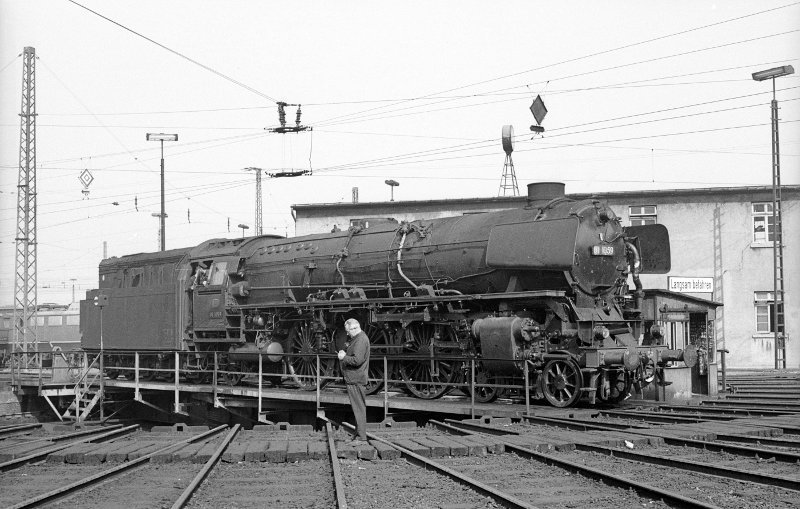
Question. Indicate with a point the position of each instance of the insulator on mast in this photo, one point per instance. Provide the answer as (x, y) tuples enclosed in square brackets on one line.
[(282, 114)]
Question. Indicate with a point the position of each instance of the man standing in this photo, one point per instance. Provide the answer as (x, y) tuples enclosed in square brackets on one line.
[(355, 363)]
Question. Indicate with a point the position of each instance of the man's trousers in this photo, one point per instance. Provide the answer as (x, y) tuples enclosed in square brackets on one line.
[(358, 402)]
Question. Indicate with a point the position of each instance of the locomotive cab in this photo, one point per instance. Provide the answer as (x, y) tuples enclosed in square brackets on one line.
[(209, 289)]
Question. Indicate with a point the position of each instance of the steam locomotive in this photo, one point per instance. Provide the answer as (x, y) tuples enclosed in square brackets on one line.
[(538, 294)]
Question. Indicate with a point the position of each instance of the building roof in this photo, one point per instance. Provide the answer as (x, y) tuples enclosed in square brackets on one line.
[(510, 201)]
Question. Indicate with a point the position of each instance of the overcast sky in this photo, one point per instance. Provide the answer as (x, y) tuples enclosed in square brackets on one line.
[(640, 95)]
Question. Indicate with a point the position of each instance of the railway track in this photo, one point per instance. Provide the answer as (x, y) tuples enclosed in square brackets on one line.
[(580, 461), (671, 461)]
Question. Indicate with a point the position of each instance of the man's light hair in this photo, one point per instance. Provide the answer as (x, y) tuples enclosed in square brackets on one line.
[(352, 322)]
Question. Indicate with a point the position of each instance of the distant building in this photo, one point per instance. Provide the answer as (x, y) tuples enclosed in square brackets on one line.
[(721, 246)]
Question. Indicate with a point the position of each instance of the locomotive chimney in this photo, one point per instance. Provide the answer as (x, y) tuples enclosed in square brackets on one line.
[(540, 193)]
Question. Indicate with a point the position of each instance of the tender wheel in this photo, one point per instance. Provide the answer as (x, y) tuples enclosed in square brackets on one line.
[(380, 341), (169, 376), (303, 368), (429, 377), (561, 382), (112, 366), (147, 368)]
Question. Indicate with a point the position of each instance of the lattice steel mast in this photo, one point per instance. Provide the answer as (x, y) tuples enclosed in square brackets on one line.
[(259, 222), (508, 181), (25, 281)]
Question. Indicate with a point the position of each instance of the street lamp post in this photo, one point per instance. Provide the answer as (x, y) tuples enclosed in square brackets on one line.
[(779, 344), (392, 184), (162, 138), (243, 227)]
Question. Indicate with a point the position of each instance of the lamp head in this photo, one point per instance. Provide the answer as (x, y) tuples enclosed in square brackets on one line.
[(775, 72), (161, 137)]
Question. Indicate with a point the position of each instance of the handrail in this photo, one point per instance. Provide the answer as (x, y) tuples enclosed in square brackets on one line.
[(86, 372)]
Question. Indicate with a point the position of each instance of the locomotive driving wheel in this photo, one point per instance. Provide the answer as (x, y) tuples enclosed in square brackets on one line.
[(561, 382), (305, 343), (380, 341), (430, 376)]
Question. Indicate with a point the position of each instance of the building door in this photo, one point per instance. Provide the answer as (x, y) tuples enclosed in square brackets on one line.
[(699, 338)]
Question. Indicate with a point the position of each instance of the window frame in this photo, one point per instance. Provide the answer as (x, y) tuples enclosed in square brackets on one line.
[(764, 305), (641, 215), (765, 236)]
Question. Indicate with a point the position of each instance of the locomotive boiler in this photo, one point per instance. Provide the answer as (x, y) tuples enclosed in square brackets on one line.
[(480, 301)]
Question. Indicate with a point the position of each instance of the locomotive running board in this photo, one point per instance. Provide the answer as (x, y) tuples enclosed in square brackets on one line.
[(418, 300)]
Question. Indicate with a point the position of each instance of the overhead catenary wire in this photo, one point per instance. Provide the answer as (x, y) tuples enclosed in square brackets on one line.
[(363, 118), (179, 54), (490, 142), (603, 52), (567, 144)]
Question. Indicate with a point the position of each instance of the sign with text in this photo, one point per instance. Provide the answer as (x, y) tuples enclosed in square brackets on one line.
[(691, 284)]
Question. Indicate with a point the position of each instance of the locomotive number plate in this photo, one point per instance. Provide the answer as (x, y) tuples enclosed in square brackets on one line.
[(603, 250), (215, 314)]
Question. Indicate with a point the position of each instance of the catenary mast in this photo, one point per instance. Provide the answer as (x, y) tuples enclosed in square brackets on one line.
[(25, 340)]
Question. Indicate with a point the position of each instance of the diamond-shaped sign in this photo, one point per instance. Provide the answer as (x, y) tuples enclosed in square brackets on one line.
[(86, 178), (538, 109)]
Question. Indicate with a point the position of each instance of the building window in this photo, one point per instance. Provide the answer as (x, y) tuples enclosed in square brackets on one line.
[(763, 223), (642, 214), (765, 312)]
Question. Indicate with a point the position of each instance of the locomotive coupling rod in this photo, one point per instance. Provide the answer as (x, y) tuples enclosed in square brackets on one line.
[(504, 499)]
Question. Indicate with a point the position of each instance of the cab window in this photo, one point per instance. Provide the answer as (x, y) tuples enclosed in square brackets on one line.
[(217, 275)]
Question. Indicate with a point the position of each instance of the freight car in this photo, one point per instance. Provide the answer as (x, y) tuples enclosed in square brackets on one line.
[(543, 290)]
